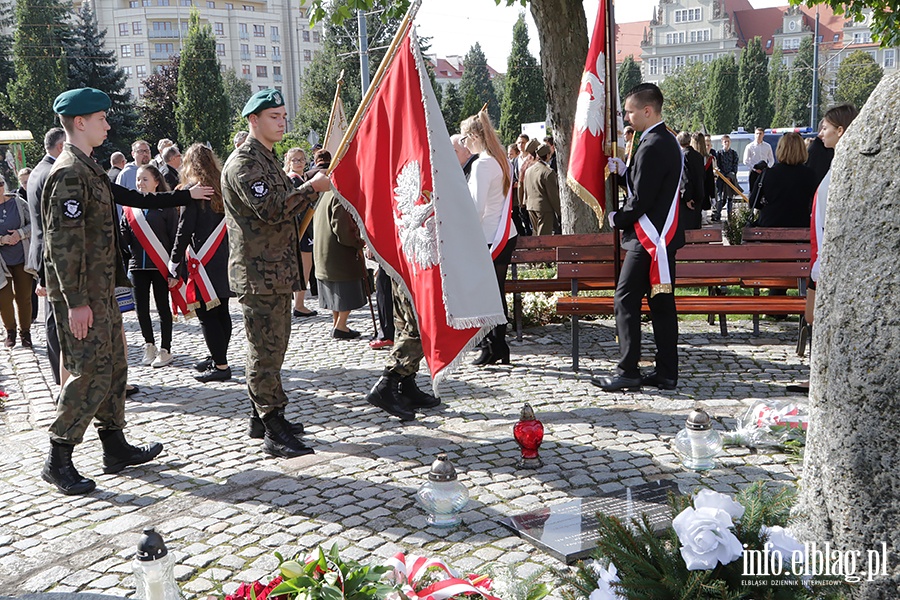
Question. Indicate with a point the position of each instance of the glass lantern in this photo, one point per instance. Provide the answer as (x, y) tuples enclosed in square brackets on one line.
[(529, 433), (443, 497), (698, 443), (154, 569)]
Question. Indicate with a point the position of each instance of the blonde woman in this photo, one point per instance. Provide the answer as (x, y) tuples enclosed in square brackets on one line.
[(295, 166), (489, 183)]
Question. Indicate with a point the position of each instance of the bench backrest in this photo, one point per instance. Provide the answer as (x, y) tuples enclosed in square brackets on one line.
[(775, 234)]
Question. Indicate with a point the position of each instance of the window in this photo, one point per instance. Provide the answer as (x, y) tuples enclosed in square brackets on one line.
[(162, 2), (276, 52), (276, 72), (229, 6), (675, 38), (274, 31), (184, 27), (693, 58), (305, 35), (137, 28), (219, 28), (245, 52), (262, 87), (249, 8), (307, 55), (245, 71), (145, 2), (317, 37), (700, 35), (653, 66), (260, 51), (679, 62), (123, 28), (259, 31), (220, 49), (128, 72), (141, 91), (133, 4), (790, 43), (141, 71), (125, 50), (262, 71), (187, 3), (667, 65), (862, 38), (889, 59), (210, 4), (688, 15), (162, 26), (707, 58), (139, 49), (243, 29), (164, 49)]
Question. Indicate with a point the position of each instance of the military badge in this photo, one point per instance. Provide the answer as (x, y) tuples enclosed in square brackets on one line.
[(277, 98), (259, 188), (72, 209)]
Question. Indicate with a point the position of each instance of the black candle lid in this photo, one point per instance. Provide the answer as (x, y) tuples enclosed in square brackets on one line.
[(151, 546)]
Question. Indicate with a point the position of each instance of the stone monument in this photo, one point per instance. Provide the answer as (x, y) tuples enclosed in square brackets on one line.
[(850, 494)]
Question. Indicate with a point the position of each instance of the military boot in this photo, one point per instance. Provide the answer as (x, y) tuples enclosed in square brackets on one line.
[(386, 396), (257, 430), (279, 440), (417, 398), (118, 453), (60, 471)]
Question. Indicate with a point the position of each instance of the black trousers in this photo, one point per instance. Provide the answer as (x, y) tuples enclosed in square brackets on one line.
[(215, 324), (144, 280), (384, 297), (634, 285)]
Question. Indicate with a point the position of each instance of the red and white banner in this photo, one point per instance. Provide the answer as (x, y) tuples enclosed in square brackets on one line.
[(198, 278), (587, 157), (409, 569), (400, 179), (157, 253)]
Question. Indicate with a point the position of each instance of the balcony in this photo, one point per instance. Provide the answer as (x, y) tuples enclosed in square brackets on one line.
[(278, 77), (247, 76), (164, 34), (276, 37), (276, 58), (164, 56), (245, 56), (245, 35)]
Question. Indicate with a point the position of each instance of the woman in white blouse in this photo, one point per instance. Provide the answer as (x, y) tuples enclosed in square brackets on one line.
[(489, 184)]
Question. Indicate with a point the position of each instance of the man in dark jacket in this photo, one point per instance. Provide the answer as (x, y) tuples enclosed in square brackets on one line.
[(171, 157), (690, 212), (648, 223)]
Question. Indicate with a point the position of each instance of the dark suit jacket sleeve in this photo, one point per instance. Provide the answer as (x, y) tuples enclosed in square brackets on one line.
[(135, 199), (646, 184), (186, 225)]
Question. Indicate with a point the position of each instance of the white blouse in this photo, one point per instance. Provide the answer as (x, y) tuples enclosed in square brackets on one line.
[(486, 187)]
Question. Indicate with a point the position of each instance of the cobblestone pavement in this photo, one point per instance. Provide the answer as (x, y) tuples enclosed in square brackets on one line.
[(224, 507)]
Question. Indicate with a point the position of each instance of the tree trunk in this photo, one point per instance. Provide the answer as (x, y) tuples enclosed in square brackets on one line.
[(562, 31), (851, 477)]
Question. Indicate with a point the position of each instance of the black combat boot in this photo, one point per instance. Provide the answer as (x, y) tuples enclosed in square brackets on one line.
[(417, 398), (279, 440), (485, 356), (498, 345), (118, 453), (257, 430), (60, 471), (386, 396)]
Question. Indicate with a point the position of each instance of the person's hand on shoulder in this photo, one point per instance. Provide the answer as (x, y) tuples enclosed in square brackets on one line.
[(201, 192)]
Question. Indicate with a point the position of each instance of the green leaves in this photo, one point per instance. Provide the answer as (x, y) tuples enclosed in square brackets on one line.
[(328, 577)]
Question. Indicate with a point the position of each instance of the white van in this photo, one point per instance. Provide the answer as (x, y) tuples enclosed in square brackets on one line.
[(741, 138)]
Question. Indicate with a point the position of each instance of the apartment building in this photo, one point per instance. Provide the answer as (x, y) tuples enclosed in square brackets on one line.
[(269, 43), (681, 32)]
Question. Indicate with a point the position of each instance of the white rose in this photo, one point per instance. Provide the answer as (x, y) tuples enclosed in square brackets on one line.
[(783, 542), (605, 579), (711, 499), (706, 538)]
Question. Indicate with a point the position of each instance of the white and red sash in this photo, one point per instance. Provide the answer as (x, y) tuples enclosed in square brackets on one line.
[(157, 253), (501, 236), (197, 275), (656, 244)]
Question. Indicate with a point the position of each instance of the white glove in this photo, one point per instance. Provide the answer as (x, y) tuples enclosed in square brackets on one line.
[(611, 217), (616, 165), (173, 268)]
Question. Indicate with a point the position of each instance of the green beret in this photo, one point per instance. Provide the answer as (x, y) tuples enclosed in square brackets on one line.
[(263, 99), (83, 101)]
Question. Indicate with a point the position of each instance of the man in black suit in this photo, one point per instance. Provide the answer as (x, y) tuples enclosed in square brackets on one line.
[(650, 236)]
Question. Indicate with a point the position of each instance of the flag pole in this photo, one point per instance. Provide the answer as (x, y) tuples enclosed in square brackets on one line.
[(376, 81), (331, 117), (612, 126)]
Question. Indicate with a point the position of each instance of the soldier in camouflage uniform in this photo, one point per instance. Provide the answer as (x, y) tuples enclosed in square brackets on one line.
[(396, 391), (263, 270), (83, 265)]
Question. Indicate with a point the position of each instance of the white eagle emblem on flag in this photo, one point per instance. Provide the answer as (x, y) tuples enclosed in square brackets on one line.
[(591, 106), (415, 218)]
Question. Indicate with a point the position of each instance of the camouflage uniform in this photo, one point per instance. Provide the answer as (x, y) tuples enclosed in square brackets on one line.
[(83, 265), (263, 268), (406, 354)]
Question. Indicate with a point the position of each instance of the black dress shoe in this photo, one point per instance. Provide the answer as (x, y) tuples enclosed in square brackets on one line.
[(205, 365), (300, 314), (131, 390), (257, 430), (617, 383), (214, 374), (350, 334), (654, 380), (797, 389)]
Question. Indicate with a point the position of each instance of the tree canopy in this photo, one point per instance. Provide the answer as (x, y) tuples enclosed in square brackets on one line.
[(157, 105), (629, 75), (857, 78), (681, 90), (779, 85), (720, 103), (885, 16), (799, 91), (475, 85), (524, 100), (753, 86)]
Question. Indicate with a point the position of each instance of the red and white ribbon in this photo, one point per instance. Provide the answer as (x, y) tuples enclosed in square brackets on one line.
[(501, 236), (196, 266), (157, 253), (408, 570)]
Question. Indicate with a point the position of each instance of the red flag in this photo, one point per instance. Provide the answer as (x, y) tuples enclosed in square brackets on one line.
[(587, 158), (400, 178)]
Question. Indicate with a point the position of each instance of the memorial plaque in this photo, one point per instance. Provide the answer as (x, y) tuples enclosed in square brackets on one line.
[(568, 530)]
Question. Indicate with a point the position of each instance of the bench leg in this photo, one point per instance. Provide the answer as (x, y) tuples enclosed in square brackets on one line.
[(575, 343), (723, 325), (803, 338), (756, 317), (517, 315)]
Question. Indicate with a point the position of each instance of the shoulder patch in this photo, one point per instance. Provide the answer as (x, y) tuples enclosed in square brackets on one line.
[(259, 188), (72, 208)]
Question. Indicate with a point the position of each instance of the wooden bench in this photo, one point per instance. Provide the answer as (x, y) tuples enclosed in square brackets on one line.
[(545, 250), (698, 265)]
